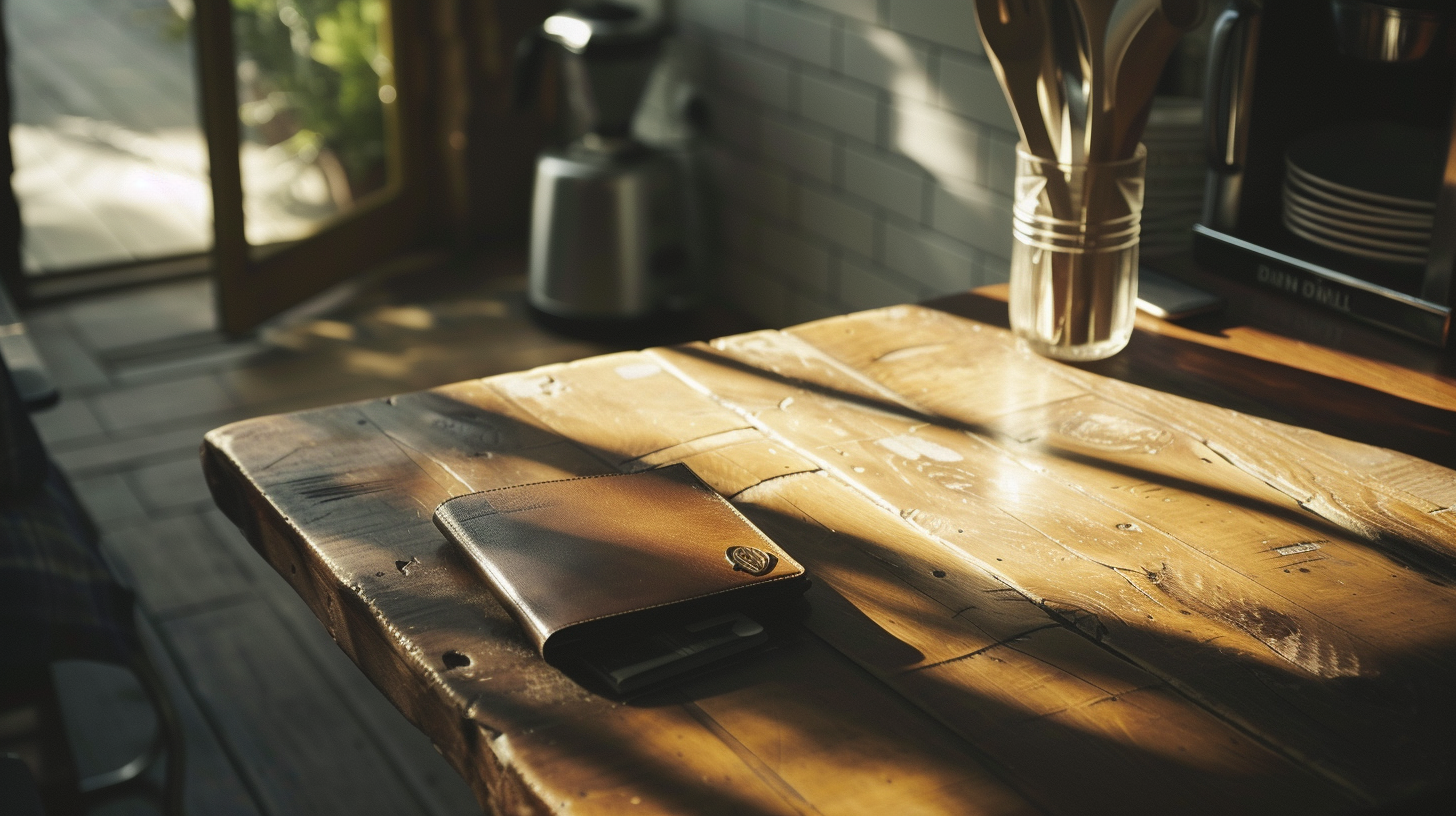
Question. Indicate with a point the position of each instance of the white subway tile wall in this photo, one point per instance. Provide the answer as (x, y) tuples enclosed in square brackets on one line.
[(862, 151)]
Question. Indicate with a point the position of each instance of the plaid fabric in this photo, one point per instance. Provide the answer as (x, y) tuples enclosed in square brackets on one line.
[(22, 458), (57, 598)]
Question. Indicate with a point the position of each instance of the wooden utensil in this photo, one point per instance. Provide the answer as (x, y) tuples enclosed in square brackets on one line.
[(1086, 30), (1015, 35), (1137, 71)]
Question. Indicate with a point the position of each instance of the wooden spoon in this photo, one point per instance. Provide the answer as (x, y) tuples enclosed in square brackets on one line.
[(1015, 33), (1137, 74), (1089, 32), (1129, 17)]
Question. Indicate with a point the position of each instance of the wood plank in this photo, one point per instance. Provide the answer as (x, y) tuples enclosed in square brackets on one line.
[(895, 600), (1280, 360), (843, 756), (1028, 707), (1370, 357), (604, 764), (1356, 501), (615, 429), (1431, 486)]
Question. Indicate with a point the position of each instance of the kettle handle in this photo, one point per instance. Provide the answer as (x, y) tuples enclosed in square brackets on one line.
[(526, 68), (1226, 84)]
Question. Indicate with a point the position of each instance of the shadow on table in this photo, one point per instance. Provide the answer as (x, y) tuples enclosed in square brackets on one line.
[(1286, 394), (1389, 725), (1407, 551)]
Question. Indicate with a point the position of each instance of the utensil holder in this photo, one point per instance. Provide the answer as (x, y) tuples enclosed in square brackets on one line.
[(1075, 258)]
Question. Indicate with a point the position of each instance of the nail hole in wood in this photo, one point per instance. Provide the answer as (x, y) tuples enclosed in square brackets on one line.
[(455, 660), (938, 573)]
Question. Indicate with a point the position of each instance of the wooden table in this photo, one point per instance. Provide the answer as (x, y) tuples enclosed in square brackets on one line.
[(1148, 585)]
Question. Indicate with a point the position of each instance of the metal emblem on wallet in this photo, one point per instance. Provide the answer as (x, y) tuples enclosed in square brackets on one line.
[(751, 560)]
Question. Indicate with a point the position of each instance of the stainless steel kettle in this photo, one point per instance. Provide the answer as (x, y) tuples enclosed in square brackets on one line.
[(612, 218)]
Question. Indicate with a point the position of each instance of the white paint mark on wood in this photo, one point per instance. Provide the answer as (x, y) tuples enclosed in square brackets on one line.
[(913, 447), (638, 371), (1296, 549), (538, 385)]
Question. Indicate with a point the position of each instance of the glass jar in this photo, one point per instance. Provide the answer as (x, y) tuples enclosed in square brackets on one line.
[(1075, 258)]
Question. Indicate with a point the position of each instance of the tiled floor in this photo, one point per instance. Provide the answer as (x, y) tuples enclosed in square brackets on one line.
[(280, 722)]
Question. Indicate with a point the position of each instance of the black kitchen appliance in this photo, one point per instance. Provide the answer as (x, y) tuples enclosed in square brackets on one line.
[(1333, 161)]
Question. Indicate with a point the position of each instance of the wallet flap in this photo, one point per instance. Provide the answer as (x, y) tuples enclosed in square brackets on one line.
[(566, 553)]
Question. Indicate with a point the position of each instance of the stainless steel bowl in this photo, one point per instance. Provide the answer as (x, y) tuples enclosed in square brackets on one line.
[(1379, 32)]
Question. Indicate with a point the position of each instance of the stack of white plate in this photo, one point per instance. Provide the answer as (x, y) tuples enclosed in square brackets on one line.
[(1177, 166), (1365, 189)]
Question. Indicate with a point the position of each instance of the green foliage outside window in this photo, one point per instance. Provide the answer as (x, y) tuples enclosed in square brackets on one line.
[(316, 80)]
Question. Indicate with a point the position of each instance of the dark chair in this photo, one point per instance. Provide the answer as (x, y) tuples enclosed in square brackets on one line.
[(59, 600)]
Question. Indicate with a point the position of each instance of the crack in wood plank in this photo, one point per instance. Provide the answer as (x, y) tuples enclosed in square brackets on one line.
[(988, 647), (760, 768)]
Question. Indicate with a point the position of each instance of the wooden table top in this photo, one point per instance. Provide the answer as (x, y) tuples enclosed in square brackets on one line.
[(1179, 581)]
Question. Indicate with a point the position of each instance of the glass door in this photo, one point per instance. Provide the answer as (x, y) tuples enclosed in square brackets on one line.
[(314, 123), (110, 160)]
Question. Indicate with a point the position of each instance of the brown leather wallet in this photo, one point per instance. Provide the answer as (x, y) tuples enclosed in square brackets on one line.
[(582, 559)]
